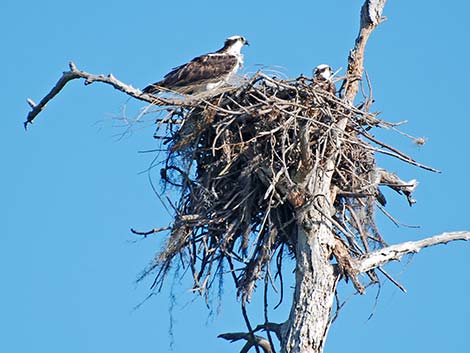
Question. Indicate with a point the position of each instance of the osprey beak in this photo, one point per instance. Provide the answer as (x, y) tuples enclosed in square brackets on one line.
[(246, 42)]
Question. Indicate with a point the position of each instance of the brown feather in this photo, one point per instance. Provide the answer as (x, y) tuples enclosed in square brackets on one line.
[(201, 70)]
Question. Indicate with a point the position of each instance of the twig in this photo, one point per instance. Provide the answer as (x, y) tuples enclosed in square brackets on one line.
[(152, 231), (391, 279), (397, 152), (266, 320), (252, 338)]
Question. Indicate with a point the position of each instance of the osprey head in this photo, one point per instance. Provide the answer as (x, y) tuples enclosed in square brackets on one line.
[(236, 39), (234, 44), (323, 71)]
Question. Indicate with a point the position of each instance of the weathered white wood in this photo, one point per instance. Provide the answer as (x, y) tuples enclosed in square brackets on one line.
[(374, 11), (396, 252), (306, 329)]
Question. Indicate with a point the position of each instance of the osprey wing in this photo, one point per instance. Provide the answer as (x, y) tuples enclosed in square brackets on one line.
[(205, 68)]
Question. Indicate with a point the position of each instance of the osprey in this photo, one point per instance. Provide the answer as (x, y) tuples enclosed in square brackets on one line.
[(205, 72), (322, 78)]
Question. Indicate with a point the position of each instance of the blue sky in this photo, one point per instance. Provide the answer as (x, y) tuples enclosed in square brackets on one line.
[(71, 189)]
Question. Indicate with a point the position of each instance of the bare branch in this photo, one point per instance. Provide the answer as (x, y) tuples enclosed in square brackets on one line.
[(74, 74), (395, 252), (258, 340), (371, 17), (271, 326), (391, 180)]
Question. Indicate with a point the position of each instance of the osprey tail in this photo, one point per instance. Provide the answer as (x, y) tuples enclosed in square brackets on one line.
[(152, 89)]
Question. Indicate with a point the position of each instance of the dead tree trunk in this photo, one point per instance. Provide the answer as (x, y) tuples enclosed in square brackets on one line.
[(308, 323), (306, 329)]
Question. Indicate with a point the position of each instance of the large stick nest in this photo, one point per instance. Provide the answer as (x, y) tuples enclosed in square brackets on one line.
[(239, 160)]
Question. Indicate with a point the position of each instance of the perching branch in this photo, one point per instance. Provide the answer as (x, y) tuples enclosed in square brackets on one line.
[(74, 74), (395, 252)]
